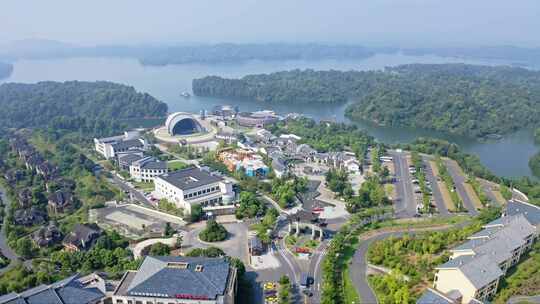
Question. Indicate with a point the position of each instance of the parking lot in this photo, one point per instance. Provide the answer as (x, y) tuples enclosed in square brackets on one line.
[(134, 221)]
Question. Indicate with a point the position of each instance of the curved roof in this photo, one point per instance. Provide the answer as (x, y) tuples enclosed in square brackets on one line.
[(177, 117)]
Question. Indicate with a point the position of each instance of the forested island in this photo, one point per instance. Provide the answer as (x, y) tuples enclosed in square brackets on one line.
[(5, 70), (88, 107), (478, 101), (230, 52)]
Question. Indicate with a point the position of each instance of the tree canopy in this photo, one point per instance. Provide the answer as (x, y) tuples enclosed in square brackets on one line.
[(214, 232), (92, 108), (478, 101)]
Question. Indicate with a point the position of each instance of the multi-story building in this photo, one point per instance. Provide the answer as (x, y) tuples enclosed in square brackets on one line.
[(168, 280), (147, 168), (258, 119), (244, 160), (109, 146), (193, 186), (475, 267)]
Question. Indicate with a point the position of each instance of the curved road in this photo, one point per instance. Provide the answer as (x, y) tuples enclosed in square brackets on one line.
[(359, 261)]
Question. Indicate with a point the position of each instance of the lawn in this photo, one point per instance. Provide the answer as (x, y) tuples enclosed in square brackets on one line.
[(473, 196), (447, 198), (175, 165), (144, 186)]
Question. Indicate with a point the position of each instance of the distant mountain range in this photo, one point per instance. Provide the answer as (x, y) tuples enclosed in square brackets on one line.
[(235, 53)]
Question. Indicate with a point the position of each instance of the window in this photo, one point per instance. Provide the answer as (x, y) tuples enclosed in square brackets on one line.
[(119, 301)]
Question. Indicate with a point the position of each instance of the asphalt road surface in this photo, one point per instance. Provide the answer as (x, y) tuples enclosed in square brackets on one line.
[(134, 193), (437, 196), (359, 264), (405, 204), (458, 181)]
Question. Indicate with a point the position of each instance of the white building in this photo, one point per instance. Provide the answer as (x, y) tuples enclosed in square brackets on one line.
[(193, 186), (109, 146), (147, 168)]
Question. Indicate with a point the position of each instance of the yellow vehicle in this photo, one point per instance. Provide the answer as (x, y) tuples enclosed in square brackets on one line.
[(270, 286)]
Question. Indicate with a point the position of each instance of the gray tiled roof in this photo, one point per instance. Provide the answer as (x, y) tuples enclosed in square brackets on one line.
[(531, 212), (480, 270), (126, 144), (431, 296), (190, 178), (157, 276), (457, 262), (129, 158), (67, 291)]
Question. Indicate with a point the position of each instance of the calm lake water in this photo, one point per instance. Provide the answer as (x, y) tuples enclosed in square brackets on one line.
[(506, 157)]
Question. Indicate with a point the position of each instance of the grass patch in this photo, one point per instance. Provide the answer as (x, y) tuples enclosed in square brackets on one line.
[(144, 186), (176, 165)]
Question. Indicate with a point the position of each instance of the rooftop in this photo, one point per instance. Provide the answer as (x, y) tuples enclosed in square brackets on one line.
[(150, 163), (126, 144), (190, 178), (529, 211), (431, 296), (480, 270), (72, 290), (173, 277)]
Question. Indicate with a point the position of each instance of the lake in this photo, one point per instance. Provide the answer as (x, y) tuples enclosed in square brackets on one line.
[(506, 157)]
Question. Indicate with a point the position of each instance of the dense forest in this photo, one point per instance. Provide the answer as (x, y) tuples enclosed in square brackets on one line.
[(477, 101), (93, 108), (5, 70), (296, 86), (194, 53), (230, 52)]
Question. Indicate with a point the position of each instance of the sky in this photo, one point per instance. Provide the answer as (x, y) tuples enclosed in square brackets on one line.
[(370, 22)]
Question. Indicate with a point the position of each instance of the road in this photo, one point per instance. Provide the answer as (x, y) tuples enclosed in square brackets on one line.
[(359, 261), (459, 179), (315, 271), (405, 204), (134, 193), (359, 264), (437, 195)]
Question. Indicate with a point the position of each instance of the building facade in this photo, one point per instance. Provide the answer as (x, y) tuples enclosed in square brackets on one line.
[(146, 169), (193, 186), (109, 146)]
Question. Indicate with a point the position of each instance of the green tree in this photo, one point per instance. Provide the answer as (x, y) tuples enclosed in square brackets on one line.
[(25, 248), (214, 232), (159, 249)]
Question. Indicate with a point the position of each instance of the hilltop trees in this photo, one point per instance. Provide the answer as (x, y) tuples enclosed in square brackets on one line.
[(464, 99)]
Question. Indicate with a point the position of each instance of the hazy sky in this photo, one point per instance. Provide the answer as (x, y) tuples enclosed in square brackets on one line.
[(383, 22)]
